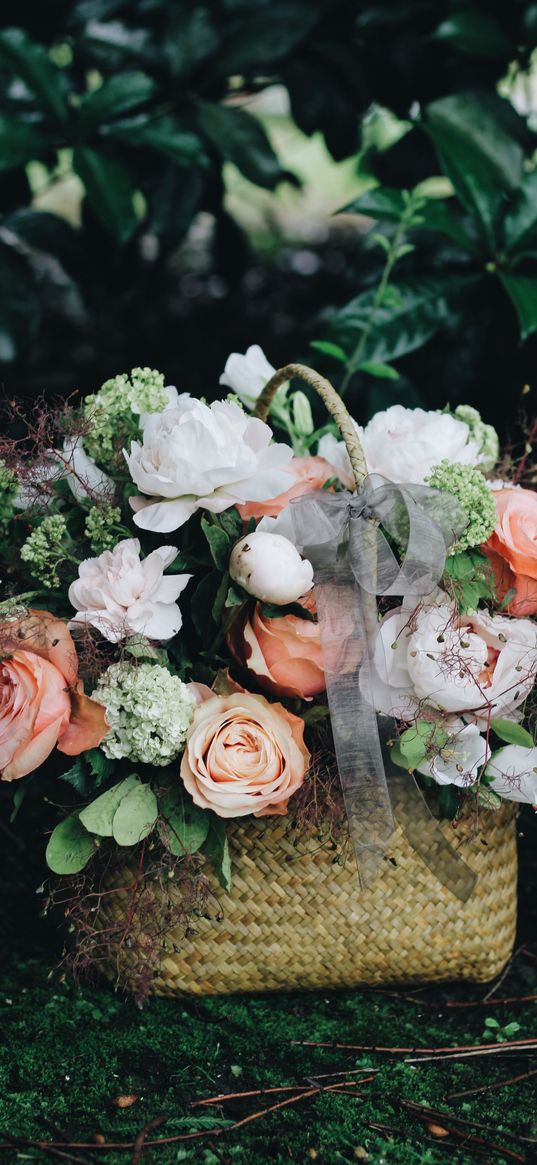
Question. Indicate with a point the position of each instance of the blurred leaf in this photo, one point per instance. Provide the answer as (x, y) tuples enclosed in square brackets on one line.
[(381, 371), (216, 849), (521, 220), (202, 601), (30, 61), (163, 134), (241, 139), (191, 38), (185, 826), (70, 847), (479, 156), (135, 815), (43, 231), (115, 96), (388, 205), (20, 142), (522, 291), (262, 37), (329, 349), (20, 309), (108, 191), (380, 203), (477, 33)]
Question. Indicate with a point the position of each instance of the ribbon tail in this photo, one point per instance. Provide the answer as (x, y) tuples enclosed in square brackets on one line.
[(343, 612)]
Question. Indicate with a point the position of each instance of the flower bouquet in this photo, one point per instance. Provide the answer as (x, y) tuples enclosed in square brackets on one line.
[(272, 698)]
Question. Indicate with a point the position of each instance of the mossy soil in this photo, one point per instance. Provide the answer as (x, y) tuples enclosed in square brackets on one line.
[(68, 1053)]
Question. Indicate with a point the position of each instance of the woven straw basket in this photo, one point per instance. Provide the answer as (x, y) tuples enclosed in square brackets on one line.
[(296, 919)]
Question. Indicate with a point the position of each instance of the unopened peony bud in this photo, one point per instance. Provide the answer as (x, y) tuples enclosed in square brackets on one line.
[(270, 567)]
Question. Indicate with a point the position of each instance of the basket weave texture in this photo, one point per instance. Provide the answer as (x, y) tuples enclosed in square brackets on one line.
[(294, 919)]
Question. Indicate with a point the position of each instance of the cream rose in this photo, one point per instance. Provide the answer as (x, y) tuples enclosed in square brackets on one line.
[(122, 594), (244, 755), (247, 375), (198, 456)]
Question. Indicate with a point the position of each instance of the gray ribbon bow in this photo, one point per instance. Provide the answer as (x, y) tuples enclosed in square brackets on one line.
[(348, 539)]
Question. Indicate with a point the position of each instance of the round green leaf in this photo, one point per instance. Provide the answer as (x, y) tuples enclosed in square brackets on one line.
[(512, 733), (99, 816), (185, 826), (135, 815), (70, 847)]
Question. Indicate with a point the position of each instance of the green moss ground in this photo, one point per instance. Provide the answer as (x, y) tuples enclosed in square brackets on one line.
[(68, 1052)]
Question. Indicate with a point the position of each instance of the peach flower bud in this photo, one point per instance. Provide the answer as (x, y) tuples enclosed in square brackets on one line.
[(307, 474), (244, 755), (269, 567)]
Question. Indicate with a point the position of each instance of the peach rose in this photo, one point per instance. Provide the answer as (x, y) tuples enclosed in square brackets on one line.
[(284, 654), (42, 702), (308, 474), (244, 755), (512, 548)]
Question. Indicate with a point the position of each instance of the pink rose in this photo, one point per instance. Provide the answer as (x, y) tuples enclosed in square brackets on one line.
[(244, 755), (284, 654), (512, 548), (42, 702), (308, 474)]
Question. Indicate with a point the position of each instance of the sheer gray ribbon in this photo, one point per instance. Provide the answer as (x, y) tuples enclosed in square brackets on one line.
[(347, 539)]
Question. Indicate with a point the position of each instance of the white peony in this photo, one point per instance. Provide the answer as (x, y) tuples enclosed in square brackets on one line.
[(514, 772), (404, 444), (247, 375), (459, 762), (121, 594), (474, 666), (198, 456), (269, 567)]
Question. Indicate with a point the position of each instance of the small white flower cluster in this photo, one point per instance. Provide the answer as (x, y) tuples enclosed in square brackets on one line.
[(149, 711)]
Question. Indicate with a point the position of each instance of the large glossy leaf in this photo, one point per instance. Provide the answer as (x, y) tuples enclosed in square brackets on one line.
[(115, 96), (241, 139), (20, 142), (31, 62), (388, 205), (262, 37), (191, 37), (521, 221), (414, 311), (70, 847), (164, 134), (522, 290), (108, 191), (482, 160)]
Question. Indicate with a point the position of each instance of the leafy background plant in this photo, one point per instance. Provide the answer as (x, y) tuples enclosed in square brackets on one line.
[(132, 135)]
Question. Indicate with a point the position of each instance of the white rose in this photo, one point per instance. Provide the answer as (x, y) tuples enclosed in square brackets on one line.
[(270, 567), (121, 594), (514, 770), (195, 455), (84, 478), (247, 375), (475, 666), (459, 762)]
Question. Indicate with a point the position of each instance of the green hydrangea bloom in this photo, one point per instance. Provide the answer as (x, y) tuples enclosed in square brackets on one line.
[(101, 525), (113, 411), (149, 711), (8, 491), (485, 436), (43, 550), (468, 485)]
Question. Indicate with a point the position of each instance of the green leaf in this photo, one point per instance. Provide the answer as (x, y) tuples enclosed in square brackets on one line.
[(477, 33), (397, 757), (202, 601), (381, 371), (20, 309), (512, 733), (521, 221), (329, 349), (522, 291), (98, 817), (191, 38), (460, 566), (100, 765), (277, 611), (70, 847), (381, 203), (140, 648), (448, 801), (219, 543), (221, 598), (135, 815), (19, 794), (162, 133), (216, 849), (115, 96), (240, 138), (488, 798), (108, 191), (31, 62), (185, 826), (264, 34), (420, 740), (232, 523), (77, 776), (20, 142)]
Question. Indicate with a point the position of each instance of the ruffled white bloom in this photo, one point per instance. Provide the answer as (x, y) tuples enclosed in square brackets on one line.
[(459, 762), (121, 594), (198, 456), (247, 375), (269, 567), (149, 712), (84, 478), (514, 772), (473, 666), (404, 444)]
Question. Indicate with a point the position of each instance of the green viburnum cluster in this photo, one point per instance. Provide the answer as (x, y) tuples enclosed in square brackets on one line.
[(44, 550), (470, 488), (485, 436), (8, 491), (149, 711), (101, 527), (113, 410)]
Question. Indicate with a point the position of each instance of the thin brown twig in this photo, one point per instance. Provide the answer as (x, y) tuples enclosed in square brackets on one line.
[(209, 1100), (421, 1112), (506, 1045), (497, 1084), (142, 1135)]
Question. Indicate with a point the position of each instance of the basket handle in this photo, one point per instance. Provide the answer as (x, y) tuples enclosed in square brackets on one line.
[(334, 405)]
